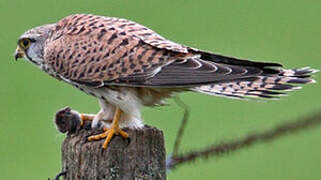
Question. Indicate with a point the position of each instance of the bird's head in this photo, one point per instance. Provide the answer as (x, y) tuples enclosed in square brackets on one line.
[(31, 44)]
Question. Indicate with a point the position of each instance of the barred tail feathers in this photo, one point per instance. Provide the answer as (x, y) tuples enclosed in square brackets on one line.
[(264, 86)]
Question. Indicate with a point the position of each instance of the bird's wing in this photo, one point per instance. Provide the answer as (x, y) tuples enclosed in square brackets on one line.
[(97, 51), (91, 49), (194, 71)]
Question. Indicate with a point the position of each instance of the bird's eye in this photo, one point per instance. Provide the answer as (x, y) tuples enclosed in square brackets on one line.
[(25, 43)]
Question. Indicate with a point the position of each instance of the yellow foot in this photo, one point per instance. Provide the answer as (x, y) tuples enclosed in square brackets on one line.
[(110, 132), (86, 117)]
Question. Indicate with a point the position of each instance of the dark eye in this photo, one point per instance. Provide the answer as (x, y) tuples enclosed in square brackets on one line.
[(25, 43)]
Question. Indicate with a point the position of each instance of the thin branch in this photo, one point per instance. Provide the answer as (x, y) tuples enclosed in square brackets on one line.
[(218, 150), (61, 174), (181, 129)]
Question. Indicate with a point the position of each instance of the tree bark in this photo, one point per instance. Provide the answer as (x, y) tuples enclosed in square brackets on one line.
[(140, 157)]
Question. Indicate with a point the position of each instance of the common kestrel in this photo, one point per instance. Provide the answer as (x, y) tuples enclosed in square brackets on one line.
[(126, 66)]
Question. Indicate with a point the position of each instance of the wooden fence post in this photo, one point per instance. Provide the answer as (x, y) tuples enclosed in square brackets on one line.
[(142, 157)]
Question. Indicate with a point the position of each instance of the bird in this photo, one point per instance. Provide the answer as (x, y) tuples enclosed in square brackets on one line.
[(127, 66)]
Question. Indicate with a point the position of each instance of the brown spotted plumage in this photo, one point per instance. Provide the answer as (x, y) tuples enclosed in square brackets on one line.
[(95, 49), (126, 66)]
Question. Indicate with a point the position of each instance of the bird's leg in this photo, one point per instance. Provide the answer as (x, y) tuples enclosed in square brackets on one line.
[(110, 132), (86, 117)]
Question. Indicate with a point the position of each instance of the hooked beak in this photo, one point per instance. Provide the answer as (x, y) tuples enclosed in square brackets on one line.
[(19, 53)]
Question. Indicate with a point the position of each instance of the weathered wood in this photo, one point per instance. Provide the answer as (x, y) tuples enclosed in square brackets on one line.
[(141, 157)]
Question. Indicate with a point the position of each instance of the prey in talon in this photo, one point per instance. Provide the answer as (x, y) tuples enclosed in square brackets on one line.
[(127, 66), (68, 120)]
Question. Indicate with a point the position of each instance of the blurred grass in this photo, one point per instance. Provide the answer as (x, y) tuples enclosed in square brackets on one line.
[(285, 31)]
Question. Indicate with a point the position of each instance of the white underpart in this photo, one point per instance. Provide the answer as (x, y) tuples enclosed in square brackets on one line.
[(125, 99)]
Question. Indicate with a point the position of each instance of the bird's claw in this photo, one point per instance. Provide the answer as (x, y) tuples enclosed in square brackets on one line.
[(108, 133), (85, 117)]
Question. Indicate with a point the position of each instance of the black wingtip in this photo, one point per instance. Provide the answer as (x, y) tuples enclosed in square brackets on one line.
[(235, 61)]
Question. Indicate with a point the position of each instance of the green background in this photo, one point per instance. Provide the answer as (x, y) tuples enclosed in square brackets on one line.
[(287, 31)]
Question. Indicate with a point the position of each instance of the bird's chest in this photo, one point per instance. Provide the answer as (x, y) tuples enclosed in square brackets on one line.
[(123, 97), (49, 70)]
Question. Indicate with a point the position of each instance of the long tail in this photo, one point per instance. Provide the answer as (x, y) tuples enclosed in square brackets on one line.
[(265, 86)]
